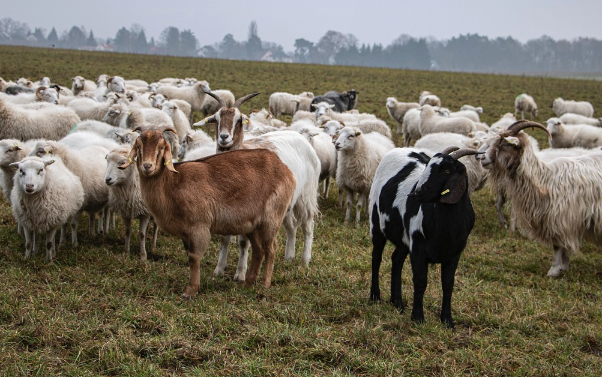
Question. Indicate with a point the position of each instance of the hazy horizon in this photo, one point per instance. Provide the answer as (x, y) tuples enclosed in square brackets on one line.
[(283, 23)]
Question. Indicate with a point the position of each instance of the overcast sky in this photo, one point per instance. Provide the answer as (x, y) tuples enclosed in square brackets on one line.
[(282, 21)]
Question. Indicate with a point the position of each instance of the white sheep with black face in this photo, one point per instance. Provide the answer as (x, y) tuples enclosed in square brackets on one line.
[(46, 196)]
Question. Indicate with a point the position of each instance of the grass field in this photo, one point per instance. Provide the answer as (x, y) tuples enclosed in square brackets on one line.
[(97, 311)]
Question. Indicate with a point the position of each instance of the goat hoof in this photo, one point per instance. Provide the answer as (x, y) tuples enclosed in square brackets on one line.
[(449, 323)]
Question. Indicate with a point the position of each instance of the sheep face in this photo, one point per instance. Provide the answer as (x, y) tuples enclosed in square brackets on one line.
[(322, 108), (115, 159), (347, 139), (116, 84), (31, 173), (169, 108), (45, 81), (78, 82), (444, 180), (43, 150), (332, 128), (391, 102), (151, 151), (115, 114), (157, 100), (555, 126), (49, 95), (9, 151)]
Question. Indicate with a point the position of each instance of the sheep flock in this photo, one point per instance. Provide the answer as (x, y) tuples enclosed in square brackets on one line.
[(64, 152)]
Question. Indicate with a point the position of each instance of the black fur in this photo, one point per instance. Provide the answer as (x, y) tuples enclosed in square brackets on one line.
[(341, 101)]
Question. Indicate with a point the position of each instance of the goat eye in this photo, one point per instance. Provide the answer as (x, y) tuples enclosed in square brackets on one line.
[(22, 172), (447, 172), (40, 171)]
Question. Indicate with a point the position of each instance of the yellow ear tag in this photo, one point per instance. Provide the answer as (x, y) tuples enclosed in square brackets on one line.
[(246, 121), (445, 192), (47, 152), (167, 162), (130, 159), (129, 113)]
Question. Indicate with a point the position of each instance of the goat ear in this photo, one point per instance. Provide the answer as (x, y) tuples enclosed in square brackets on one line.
[(454, 188), (131, 157), (168, 158)]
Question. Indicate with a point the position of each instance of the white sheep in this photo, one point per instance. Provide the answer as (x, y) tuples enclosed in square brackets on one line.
[(326, 109), (119, 115), (364, 125), (89, 165), (561, 106), (42, 94), (80, 84), (576, 135), (194, 95), (503, 123), (436, 142), (179, 119), (358, 157), (88, 108), (116, 84), (428, 98), (266, 118), (411, 126), (196, 145), (84, 139), (12, 150), (210, 105), (125, 197), (282, 103), (118, 134), (479, 109), (327, 154), (470, 114), (570, 118), (53, 122), (525, 103), (397, 110), (303, 114), (46, 195), (430, 122), (157, 100)]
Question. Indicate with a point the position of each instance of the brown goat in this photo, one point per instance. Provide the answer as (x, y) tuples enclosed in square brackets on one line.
[(240, 192)]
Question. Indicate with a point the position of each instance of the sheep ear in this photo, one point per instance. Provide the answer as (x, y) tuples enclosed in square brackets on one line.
[(131, 157), (18, 148), (14, 165), (168, 158), (454, 188), (48, 162), (203, 122)]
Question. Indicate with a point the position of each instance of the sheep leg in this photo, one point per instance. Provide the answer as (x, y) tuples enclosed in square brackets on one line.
[(340, 198), (142, 236), (308, 240), (420, 279), (50, 251), (348, 205), (397, 261), (74, 225), (101, 221), (112, 220), (63, 235), (399, 128), (291, 235), (196, 246), (358, 208), (34, 244), (127, 223), (326, 187), (243, 256), (448, 274), (92, 216), (560, 263), (223, 256), (28, 241)]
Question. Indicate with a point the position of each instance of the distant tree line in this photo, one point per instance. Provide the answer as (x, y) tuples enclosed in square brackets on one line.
[(467, 53)]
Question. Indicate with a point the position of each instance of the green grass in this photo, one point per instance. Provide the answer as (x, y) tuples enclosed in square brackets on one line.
[(97, 311)]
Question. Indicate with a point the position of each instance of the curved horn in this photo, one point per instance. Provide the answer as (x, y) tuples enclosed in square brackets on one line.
[(240, 101), (140, 129), (464, 152), (218, 99), (448, 150), (167, 129), (522, 124), (39, 91)]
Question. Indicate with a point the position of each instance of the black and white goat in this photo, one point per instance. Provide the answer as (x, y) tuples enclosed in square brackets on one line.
[(422, 206)]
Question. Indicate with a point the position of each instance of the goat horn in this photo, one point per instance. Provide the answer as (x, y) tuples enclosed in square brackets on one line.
[(464, 152), (39, 90), (240, 101), (140, 129), (167, 129), (448, 150), (522, 124), (218, 99)]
